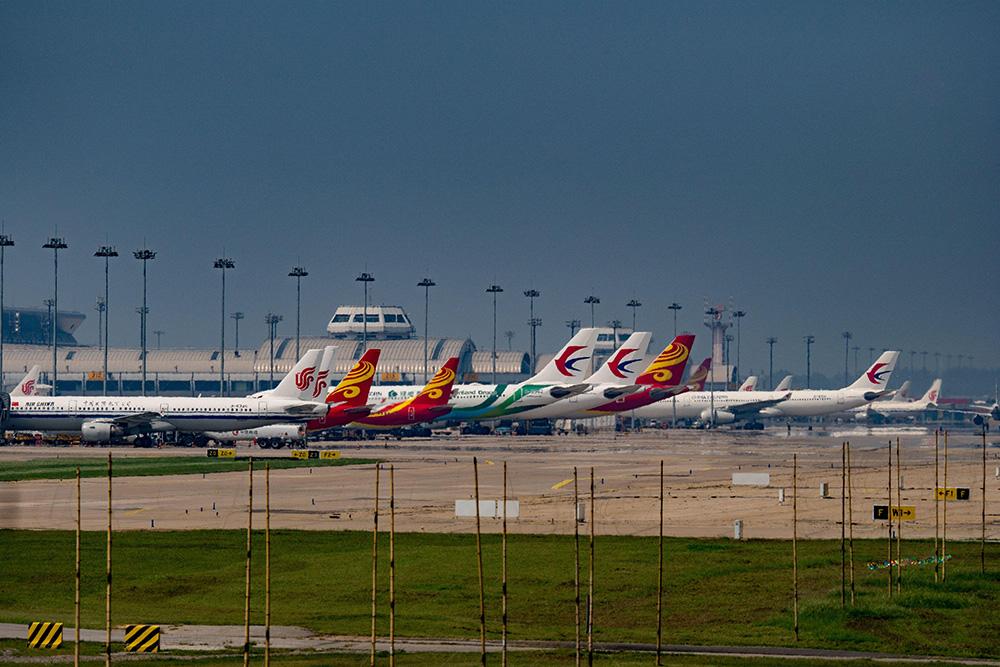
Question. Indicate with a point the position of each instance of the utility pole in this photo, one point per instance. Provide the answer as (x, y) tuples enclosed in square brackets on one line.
[(143, 255), (5, 242), (223, 263), (107, 252), (847, 348), (55, 244), (158, 333), (427, 284), (272, 323), (810, 339), (509, 335), (675, 307), (770, 361), (494, 290), (533, 294), (237, 316), (739, 315), (856, 348), (592, 301), (365, 278), (298, 273)]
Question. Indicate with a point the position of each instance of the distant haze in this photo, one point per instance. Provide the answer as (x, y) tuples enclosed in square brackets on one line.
[(827, 166)]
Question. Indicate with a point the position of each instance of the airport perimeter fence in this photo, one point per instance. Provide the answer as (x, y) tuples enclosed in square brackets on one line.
[(144, 637)]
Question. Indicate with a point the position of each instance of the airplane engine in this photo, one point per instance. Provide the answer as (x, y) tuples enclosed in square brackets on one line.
[(721, 417), (100, 432)]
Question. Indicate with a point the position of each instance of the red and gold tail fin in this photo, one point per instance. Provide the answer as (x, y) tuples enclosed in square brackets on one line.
[(354, 388), (668, 368), (438, 390), (696, 381)]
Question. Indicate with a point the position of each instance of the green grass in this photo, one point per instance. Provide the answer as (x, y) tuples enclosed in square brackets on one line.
[(717, 591), (148, 465)]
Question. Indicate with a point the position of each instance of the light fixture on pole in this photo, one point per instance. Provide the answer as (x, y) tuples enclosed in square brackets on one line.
[(739, 315), (298, 273), (55, 244), (615, 326), (143, 255), (223, 263), (106, 252), (509, 335), (237, 316), (847, 348), (533, 294), (592, 301), (272, 324), (573, 326), (427, 284), (494, 290), (365, 278), (770, 361), (5, 242), (810, 339), (634, 305), (675, 307)]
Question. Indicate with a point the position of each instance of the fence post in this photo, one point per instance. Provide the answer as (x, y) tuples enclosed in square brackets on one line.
[(659, 580), (392, 566), (479, 566), (576, 561), (76, 596), (378, 467), (107, 596), (246, 594), (503, 642), (267, 564), (795, 545), (850, 518), (590, 583)]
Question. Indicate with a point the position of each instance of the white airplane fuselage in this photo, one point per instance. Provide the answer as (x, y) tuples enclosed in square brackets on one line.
[(476, 401), (801, 403)]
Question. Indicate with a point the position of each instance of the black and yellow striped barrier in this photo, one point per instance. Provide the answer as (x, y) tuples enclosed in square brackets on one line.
[(142, 638), (305, 454), (45, 635)]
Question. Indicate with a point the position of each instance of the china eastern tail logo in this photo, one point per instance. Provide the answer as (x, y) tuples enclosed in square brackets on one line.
[(875, 373), (304, 378), (618, 365), (566, 363)]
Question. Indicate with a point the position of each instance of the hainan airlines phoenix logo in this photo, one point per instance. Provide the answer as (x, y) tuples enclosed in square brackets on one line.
[(304, 378), (660, 370), (875, 373), (28, 387), (618, 365), (350, 386), (320, 383), (435, 388), (565, 364)]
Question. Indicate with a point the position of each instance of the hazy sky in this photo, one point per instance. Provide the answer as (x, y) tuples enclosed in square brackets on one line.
[(827, 165)]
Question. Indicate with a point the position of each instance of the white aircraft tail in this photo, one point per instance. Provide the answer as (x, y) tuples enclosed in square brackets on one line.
[(300, 381), (619, 368), (750, 384), (321, 386), (903, 393), (876, 378), (933, 394), (28, 384), (573, 362), (785, 384)]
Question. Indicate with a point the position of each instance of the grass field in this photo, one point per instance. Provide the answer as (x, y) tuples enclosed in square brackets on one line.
[(717, 591), (147, 465)]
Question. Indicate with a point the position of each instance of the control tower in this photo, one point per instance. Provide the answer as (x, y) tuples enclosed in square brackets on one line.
[(718, 319)]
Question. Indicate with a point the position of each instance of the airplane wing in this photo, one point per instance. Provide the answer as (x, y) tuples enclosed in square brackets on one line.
[(133, 420), (749, 408), (306, 409)]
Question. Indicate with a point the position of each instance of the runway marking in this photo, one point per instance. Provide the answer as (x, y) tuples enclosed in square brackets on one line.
[(559, 485), (488, 462)]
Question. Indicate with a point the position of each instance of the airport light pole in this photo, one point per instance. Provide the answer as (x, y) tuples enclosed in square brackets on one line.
[(937, 363), (5, 242), (615, 326), (272, 324), (106, 252), (237, 316), (55, 244), (675, 307), (634, 304), (770, 361), (924, 353), (494, 290), (573, 326), (223, 263), (739, 315), (365, 278), (856, 348), (427, 284), (509, 335), (592, 301), (298, 273), (810, 339), (158, 333), (532, 294), (100, 307), (847, 348), (143, 255), (712, 312), (913, 356)]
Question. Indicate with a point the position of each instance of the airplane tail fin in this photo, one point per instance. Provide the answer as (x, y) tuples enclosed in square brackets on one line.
[(668, 368), (618, 369), (876, 378), (785, 384), (750, 384), (696, 381), (354, 387), (438, 390), (933, 393), (26, 387), (903, 393), (572, 363), (299, 381)]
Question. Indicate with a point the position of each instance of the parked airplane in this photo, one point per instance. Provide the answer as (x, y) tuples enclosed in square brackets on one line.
[(750, 384), (349, 399), (427, 406), (910, 409), (725, 407), (561, 378), (113, 418), (785, 384)]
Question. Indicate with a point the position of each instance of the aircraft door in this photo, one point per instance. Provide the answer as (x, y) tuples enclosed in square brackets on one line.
[(411, 413), (262, 408)]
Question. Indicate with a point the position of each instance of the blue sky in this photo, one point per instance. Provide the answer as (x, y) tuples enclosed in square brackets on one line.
[(827, 166)]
